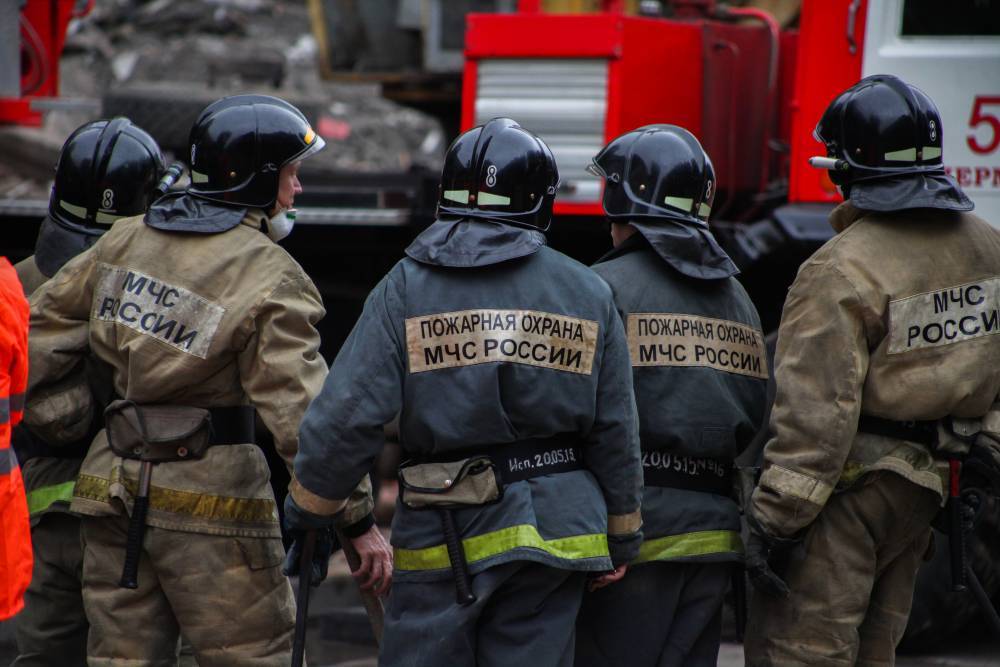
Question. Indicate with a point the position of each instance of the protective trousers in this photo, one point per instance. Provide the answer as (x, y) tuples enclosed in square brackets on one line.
[(852, 583), (660, 615), (524, 615), (52, 628), (226, 594)]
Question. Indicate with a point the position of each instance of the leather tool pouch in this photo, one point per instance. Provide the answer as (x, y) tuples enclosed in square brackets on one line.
[(157, 433), (450, 485)]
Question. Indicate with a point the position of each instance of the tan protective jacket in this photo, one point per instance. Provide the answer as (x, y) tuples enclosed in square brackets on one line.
[(895, 317), (201, 320)]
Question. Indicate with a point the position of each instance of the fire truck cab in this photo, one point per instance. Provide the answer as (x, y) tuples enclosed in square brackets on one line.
[(750, 90)]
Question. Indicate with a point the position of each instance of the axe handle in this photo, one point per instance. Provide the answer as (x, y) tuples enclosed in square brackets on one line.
[(136, 529), (376, 614), (302, 606)]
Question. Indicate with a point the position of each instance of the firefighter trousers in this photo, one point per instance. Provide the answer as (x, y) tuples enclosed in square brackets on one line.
[(52, 628), (524, 615), (660, 615), (226, 594), (851, 580)]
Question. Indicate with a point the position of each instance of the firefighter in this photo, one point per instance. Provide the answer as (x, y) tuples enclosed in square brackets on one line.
[(700, 375), (885, 352), (204, 320), (107, 170), (509, 367), (15, 556)]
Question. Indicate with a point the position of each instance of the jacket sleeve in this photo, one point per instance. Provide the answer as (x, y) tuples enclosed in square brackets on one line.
[(18, 370), (342, 432), (282, 371), (60, 404), (612, 450), (820, 368)]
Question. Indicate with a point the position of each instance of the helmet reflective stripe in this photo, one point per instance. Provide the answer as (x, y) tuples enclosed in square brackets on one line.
[(107, 218), (932, 152), (490, 199), (460, 196), (198, 177), (905, 155), (704, 210), (78, 211), (683, 203)]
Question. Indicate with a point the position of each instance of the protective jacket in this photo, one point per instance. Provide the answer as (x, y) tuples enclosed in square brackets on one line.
[(15, 535), (203, 315), (699, 369), (893, 318), (483, 337), (49, 480)]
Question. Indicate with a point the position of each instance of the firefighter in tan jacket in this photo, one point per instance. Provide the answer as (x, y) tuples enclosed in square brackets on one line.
[(88, 196), (203, 319), (887, 340)]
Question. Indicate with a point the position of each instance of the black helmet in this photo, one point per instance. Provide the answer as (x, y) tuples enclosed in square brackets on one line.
[(885, 136), (239, 145), (881, 126), (501, 172), (656, 171), (108, 169)]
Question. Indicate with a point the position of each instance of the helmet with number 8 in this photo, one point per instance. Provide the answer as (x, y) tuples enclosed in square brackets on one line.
[(884, 140), (107, 170), (656, 171), (501, 172)]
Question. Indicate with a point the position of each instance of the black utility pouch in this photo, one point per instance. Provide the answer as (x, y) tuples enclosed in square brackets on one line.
[(450, 485), (157, 433)]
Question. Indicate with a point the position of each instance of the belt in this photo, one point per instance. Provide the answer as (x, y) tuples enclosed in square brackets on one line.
[(922, 432), (524, 459), (688, 473), (232, 425)]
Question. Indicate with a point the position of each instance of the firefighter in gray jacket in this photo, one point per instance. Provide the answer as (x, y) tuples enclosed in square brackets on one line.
[(700, 378), (509, 366)]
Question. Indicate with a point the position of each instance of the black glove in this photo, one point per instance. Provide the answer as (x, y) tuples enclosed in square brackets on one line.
[(325, 542), (761, 552), (761, 575)]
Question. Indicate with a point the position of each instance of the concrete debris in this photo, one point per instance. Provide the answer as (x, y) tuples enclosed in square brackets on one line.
[(205, 50)]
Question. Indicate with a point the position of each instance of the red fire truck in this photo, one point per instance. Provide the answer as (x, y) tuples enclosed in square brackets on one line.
[(750, 90)]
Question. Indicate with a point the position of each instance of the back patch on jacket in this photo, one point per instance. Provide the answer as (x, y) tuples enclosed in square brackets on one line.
[(176, 316), (674, 339), (470, 337), (951, 315)]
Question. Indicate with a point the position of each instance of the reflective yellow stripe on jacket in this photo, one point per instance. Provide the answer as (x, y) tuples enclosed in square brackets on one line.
[(481, 547), (690, 544), (202, 505), (41, 499)]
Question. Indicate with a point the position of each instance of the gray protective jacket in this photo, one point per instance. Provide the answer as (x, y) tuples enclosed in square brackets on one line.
[(483, 336), (700, 376)]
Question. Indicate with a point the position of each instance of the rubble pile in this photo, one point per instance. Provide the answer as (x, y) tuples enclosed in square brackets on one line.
[(162, 61)]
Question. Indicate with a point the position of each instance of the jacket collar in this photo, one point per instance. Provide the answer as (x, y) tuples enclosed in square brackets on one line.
[(845, 215), (691, 250), (181, 212), (464, 243)]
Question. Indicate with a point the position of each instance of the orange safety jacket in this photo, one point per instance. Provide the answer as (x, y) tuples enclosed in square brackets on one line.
[(15, 534)]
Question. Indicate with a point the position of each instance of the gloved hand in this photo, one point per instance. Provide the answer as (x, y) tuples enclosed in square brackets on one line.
[(761, 575), (987, 450), (297, 523), (761, 552), (325, 542)]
